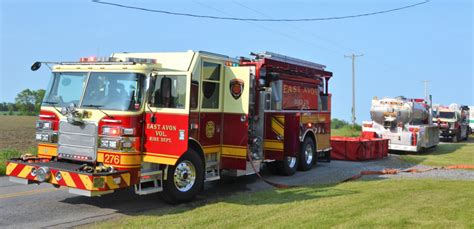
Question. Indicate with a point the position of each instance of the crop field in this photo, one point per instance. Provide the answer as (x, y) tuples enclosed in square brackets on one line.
[(17, 136), (17, 132)]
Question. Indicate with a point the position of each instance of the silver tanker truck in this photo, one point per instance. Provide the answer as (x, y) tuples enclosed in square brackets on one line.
[(407, 123)]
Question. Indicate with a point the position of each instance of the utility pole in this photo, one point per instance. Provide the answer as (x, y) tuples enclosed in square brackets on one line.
[(353, 56), (426, 82)]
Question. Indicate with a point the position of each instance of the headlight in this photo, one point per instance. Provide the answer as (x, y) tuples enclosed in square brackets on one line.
[(46, 137), (117, 143), (113, 144), (104, 143), (47, 125), (109, 143), (127, 144), (112, 130), (44, 125)]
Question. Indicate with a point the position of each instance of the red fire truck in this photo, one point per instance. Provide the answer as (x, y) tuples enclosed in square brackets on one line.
[(168, 122)]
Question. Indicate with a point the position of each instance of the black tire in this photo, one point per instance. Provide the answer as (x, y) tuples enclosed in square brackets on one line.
[(272, 167), (327, 156), (307, 155), (185, 193), (288, 166)]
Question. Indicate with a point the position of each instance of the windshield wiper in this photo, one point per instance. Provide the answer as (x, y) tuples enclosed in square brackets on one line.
[(98, 108), (53, 105)]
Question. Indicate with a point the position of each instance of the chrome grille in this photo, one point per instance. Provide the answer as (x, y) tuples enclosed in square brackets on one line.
[(76, 142)]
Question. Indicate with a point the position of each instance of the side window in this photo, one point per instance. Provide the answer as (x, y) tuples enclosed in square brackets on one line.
[(211, 74), (169, 92)]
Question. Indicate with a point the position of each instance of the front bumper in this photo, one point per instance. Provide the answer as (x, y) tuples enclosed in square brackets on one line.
[(68, 175), (449, 133), (398, 147)]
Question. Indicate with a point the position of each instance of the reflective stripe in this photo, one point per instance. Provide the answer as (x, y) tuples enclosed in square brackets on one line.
[(272, 144), (67, 179), (24, 173), (86, 180)]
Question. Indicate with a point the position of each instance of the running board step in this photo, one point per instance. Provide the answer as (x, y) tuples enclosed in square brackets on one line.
[(150, 182)]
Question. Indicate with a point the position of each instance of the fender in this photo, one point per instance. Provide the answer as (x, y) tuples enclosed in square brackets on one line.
[(194, 144)]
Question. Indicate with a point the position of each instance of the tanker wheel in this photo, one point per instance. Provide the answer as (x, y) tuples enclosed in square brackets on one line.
[(184, 180), (288, 166), (307, 155)]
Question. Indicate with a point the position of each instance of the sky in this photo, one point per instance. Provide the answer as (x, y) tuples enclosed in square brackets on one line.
[(401, 49)]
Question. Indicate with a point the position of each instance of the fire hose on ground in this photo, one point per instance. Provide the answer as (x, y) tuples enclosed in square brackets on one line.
[(389, 171), (409, 170)]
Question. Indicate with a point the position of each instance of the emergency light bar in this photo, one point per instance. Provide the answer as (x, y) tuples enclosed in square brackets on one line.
[(94, 59)]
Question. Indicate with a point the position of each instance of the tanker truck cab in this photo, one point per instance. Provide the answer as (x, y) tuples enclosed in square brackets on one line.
[(168, 122), (453, 122)]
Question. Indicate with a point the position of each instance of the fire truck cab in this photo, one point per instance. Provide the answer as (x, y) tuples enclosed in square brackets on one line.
[(168, 122)]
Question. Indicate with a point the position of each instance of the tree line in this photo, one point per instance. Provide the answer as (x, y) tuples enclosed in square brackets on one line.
[(27, 102)]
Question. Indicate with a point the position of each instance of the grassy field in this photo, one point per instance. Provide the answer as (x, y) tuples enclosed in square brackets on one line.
[(345, 131), (361, 204), (445, 154), (6, 154)]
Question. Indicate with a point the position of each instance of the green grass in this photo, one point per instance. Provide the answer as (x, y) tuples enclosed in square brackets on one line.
[(345, 131), (6, 154), (361, 204), (444, 154)]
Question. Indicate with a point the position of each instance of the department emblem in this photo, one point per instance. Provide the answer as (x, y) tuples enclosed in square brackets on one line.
[(210, 129), (236, 88)]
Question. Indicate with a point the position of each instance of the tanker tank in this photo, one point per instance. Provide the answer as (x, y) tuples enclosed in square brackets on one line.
[(399, 111)]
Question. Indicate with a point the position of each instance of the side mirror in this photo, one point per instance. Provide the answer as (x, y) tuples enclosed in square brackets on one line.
[(36, 65)]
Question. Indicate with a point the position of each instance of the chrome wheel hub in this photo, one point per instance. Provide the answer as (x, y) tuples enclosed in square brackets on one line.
[(291, 161), (308, 154), (184, 176)]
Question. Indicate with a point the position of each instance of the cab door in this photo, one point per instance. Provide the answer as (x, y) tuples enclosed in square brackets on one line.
[(167, 118), (235, 117)]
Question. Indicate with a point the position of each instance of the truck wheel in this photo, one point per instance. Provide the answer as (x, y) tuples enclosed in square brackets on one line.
[(272, 167), (455, 137), (288, 166), (184, 180), (307, 155)]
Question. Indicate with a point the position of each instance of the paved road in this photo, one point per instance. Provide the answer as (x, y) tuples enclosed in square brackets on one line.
[(42, 206)]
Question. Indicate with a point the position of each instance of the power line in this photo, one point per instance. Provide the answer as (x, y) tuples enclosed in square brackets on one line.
[(258, 19), (296, 27), (279, 32)]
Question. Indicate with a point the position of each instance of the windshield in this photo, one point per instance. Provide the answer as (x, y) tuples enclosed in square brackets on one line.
[(65, 88), (114, 91), (447, 115)]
